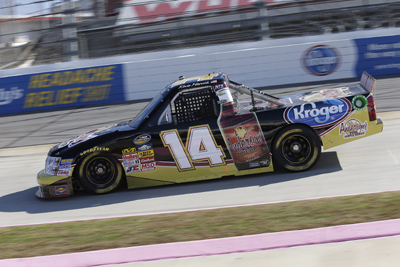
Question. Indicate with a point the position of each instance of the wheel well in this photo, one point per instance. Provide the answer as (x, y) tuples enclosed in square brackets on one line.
[(79, 160), (294, 124)]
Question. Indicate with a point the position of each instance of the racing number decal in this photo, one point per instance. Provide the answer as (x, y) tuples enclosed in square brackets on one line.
[(200, 145), (173, 141)]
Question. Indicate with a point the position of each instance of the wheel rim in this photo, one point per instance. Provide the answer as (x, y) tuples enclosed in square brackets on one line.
[(100, 171), (296, 149)]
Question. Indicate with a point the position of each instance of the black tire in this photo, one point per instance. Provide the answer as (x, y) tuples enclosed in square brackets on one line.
[(296, 148), (100, 173)]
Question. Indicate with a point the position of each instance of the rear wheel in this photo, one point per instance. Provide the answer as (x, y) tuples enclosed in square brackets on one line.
[(100, 173), (296, 148)]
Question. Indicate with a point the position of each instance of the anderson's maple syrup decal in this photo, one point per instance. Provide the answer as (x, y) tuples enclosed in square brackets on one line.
[(353, 128)]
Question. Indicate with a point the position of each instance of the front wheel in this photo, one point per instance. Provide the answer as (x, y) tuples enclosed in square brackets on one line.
[(100, 173), (296, 148)]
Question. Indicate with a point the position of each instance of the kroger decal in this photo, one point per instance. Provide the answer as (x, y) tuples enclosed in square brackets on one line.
[(318, 114), (320, 60)]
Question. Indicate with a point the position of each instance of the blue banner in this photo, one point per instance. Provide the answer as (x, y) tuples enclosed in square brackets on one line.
[(378, 55), (67, 88)]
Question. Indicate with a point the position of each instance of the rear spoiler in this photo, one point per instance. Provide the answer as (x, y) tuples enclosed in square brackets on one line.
[(367, 82)]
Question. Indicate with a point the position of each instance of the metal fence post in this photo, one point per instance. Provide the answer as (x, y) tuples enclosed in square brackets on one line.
[(70, 35)]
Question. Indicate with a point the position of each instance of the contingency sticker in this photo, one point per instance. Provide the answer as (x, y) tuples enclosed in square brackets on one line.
[(61, 190)]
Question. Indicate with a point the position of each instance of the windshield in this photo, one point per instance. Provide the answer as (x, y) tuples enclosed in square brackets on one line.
[(146, 111)]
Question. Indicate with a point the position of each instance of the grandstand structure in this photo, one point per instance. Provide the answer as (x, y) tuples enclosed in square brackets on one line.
[(71, 30)]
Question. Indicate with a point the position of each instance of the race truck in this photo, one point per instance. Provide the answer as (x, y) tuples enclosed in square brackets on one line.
[(200, 128)]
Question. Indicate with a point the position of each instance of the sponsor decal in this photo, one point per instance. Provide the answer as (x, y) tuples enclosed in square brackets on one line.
[(223, 93), (130, 162), (134, 168), (86, 136), (148, 166), (130, 156), (254, 164), (241, 132), (63, 172), (6, 97), (319, 114), (147, 160), (359, 102), (142, 139), (320, 60), (129, 150), (353, 128), (73, 87), (60, 190), (64, 167), (145, 147), (94, 149), (246, 145), (326, 94), (149, 11), (146, 154)]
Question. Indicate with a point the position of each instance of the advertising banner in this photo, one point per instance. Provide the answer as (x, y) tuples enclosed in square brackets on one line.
[(378, 55), (67, 88)]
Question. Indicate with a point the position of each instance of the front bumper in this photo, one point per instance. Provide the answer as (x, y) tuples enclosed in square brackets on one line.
[(54, 186)]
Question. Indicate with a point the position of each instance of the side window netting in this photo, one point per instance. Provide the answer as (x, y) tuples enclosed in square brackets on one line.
[(194, 106)]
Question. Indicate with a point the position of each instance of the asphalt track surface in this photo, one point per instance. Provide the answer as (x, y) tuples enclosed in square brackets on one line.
[(368, 165)]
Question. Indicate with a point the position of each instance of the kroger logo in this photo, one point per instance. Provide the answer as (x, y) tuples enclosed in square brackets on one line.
[(6, 97), (318, 114), (320, 60)]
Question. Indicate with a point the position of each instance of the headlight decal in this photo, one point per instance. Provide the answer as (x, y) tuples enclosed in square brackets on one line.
[(52, 164)]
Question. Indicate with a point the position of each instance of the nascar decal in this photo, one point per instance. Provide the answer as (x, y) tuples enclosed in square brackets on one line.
[(142, 139), (200, 145), (320, 114), (353, 128)]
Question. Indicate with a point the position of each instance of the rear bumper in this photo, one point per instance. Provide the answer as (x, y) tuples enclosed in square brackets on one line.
[(52, 186)]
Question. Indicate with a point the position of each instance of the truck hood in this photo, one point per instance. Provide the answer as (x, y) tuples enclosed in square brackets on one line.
[(92, 134)]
